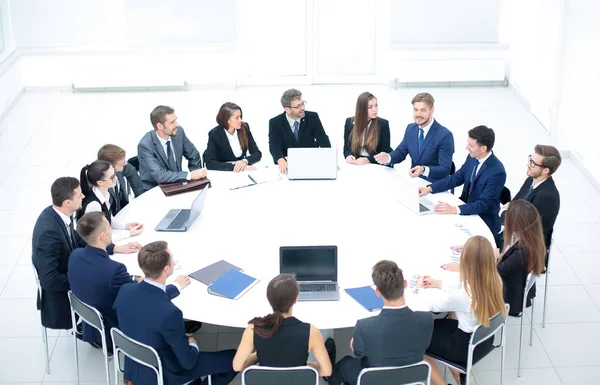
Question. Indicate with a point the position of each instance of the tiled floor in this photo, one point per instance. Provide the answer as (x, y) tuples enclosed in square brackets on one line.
[(47, 135)]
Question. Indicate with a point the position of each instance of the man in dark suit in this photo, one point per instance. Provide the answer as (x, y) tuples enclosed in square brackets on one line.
[(54, 238), (96, 279), (119, 195), (483, 177), (397, 336), (539, 187), (147, 315), (161, 150), (429, 144), (296, 127)]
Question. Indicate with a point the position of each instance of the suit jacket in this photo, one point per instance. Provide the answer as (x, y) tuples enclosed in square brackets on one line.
[(218, 151), (546, 200), (96, 279), (395, 337), (383, 139), (437, 151), (154, 168), (310, 134), (146, 314), (485, 195), (513, 270), (51, 249)]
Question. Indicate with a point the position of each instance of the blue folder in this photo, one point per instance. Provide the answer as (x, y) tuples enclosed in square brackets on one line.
[(232, 284), (366, 297)]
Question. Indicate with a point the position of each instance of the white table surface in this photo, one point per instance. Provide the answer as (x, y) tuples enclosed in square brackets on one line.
[(358, 212)]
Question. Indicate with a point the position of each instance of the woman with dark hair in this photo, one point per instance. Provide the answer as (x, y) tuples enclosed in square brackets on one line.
[(365, 134), (96, 179), (280, 339), (231, 146), (524, 251)]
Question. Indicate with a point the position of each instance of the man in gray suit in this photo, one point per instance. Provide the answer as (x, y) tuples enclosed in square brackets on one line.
[(398, 336), (161, 150)]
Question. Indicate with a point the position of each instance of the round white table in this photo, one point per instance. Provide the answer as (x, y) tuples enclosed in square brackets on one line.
[(358, 212)]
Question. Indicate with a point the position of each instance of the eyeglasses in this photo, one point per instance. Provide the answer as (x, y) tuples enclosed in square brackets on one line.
[(532, 164), (112, 177), (299, 105)]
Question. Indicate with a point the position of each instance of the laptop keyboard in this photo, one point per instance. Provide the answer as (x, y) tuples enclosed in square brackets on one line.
[(317, 286), (180, 220)]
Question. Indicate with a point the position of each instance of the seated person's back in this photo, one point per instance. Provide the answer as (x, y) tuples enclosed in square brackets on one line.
[(280, 339)]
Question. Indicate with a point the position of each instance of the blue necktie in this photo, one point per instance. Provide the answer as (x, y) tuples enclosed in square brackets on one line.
[(472, 180), (296, 129), (421, 139)]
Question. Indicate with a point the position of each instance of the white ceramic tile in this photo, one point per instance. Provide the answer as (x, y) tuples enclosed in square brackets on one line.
[(20, 318), (594, 292), (5, 166), (581, 307), (25, 258), (561, 273), (547, 376), (15, 222), (579, 375), (585, 265), (12, 247), (21, 284), (5, 272), (571, 344), (16, 352), (574, 237)]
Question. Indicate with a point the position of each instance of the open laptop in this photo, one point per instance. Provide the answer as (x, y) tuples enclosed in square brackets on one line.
[(179, 220), (312, 163), (315, 268), (408, 195)]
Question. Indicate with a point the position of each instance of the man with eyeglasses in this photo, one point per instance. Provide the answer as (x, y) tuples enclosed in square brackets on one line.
[(296, 127), (539, 187)]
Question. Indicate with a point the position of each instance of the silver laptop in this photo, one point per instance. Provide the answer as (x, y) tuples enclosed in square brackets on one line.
[(312, 163), (179, 220), (315, 268), (408, 195)]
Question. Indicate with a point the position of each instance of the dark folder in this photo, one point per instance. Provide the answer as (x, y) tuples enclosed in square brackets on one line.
[(211, 273), (232, 285), (367, 297)]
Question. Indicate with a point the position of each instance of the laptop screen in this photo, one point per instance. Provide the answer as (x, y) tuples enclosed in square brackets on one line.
[(309, 263)]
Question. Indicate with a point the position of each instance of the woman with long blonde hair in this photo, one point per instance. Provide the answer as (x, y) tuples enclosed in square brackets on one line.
[(473, 299), (365, 133)]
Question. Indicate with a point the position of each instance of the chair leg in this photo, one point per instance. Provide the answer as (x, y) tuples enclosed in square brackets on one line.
[(76, 355), (502, 359), (105, 352), (520, 344), (45, 340), (546, 293), (531, 330)]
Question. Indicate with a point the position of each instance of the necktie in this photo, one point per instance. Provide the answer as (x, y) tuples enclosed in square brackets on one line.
[(472, 180), (421, 139), (72, 234), (171, 158), (530, 190), (296, 129)]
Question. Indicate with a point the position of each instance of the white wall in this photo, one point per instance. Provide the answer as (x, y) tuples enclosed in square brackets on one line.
[(6, 33)]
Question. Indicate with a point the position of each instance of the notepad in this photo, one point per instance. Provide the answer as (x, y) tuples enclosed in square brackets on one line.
[(211, 273), (232, 285), (366, 297)]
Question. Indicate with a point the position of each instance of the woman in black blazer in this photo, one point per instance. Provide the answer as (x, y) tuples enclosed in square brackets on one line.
[(524, 252), (365, 134), (231, 141)]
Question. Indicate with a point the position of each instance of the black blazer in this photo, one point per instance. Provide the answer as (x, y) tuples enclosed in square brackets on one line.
[(310, 134), (218, 151), (50, 255), (513, 270), (383, 141), (546, 200), (395, 337)]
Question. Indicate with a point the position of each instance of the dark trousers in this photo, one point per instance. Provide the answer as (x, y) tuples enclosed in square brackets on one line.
[(219, 365), (346, 371)]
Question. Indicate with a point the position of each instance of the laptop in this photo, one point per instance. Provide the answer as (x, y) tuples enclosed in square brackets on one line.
[(312, 163), (180, 220), (315, 268), (409, 197)]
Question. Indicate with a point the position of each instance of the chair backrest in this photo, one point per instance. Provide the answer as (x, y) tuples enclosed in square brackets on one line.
[(452, 168), (418, 373), (88, 313), (505, 195), (136, 351), (299, 375), (482, 333), (135, 162), (529, 282), (37, 280)]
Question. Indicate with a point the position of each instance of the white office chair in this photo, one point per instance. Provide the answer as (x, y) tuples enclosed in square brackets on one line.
[(546, 280), (419, 373), (529, 282), (44, 330), (92, 317)]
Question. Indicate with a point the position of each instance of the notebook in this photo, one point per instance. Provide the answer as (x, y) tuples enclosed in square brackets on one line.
[(232, 284), (366, 297), (211, 273)]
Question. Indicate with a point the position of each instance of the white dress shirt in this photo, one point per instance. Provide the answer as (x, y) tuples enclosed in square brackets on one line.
[(394, 307), (536, 185), (481, 161), (234, 143), (163, 142), (66, 219), (452, 297), (120, 232), (425, 131), (291, 122), (363, 150)]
